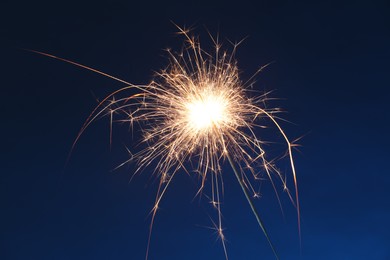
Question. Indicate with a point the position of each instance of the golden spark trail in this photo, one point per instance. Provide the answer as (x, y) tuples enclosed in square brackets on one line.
[(197, 112)]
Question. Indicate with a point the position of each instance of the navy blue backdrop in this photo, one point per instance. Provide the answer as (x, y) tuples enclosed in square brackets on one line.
[(330, 67)]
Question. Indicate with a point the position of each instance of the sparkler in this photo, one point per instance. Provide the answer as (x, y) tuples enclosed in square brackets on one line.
[(198, 112)]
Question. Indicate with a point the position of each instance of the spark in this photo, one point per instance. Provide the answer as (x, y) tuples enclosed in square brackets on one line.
[(196, 114)]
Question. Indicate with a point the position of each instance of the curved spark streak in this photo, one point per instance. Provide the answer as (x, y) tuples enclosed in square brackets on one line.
[(197, 111)]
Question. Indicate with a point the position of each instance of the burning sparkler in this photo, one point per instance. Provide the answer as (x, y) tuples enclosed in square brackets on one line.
[(198, 111)]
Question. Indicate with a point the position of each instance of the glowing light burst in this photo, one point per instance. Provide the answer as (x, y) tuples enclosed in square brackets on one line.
[(198, 112)]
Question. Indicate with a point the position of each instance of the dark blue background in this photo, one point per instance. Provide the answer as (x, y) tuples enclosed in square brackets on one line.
[(331, 66)]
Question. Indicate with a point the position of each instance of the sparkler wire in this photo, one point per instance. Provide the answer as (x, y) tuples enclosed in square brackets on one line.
[(248, 198)]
